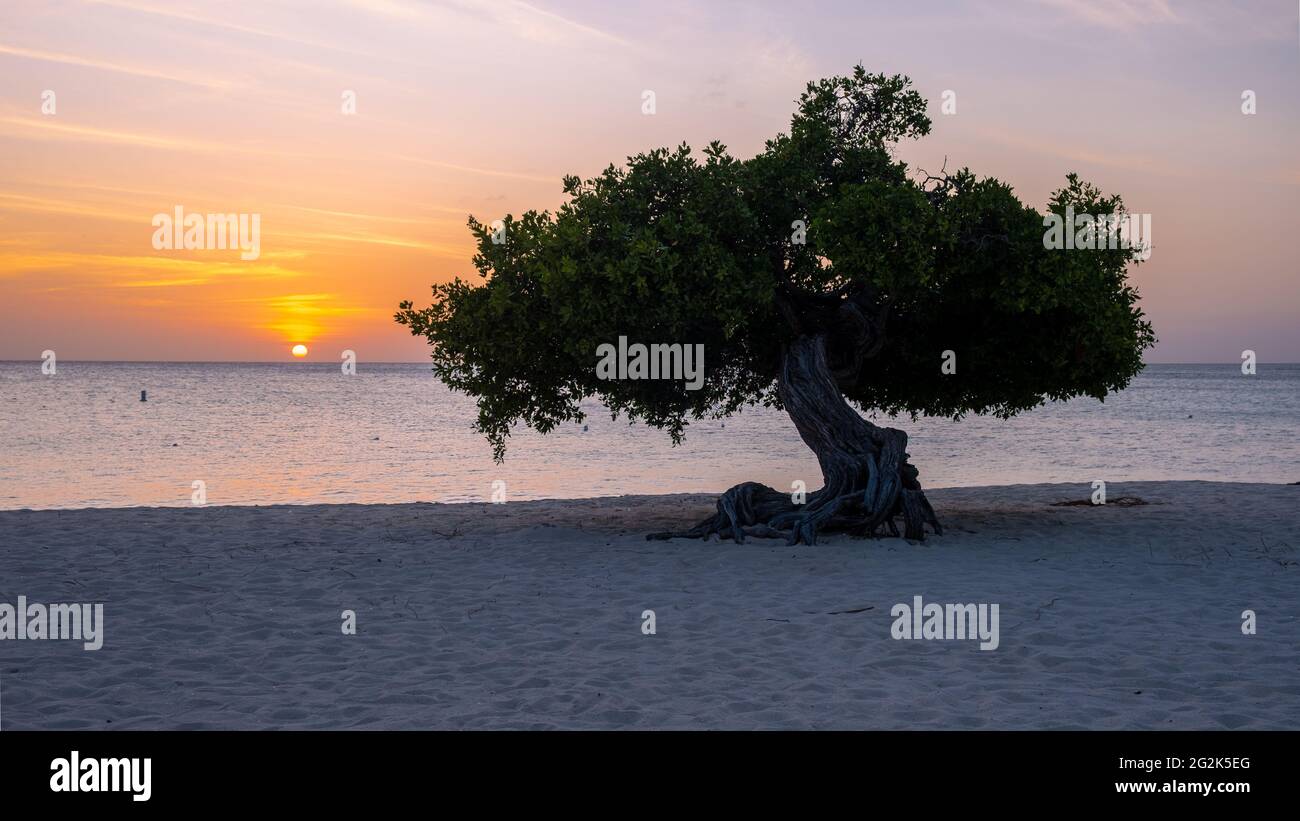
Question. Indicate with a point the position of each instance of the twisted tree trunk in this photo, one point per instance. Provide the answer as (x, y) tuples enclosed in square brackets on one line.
[(867, 480)]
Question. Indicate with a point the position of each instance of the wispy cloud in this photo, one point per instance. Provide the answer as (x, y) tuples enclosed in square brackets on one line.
[(531, 21), (1117, 14), (231, 26), (523, 20), (45, 128), (28, 203), (126, 270), (170, 75), (385, 218), (303, 317), (318, 237), (487, 172)]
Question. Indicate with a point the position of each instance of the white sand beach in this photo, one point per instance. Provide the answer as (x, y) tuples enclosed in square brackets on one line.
[(528, 615)]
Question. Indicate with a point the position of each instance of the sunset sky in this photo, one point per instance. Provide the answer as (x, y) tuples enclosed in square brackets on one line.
[(467, 107)]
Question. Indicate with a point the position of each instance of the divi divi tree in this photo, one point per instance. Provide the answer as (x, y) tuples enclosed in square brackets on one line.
[(822, 277)]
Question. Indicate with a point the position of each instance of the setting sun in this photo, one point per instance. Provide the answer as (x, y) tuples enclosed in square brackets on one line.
[(299, 351)]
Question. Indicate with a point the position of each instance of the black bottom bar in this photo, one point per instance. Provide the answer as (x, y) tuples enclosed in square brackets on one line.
[(211, 770)]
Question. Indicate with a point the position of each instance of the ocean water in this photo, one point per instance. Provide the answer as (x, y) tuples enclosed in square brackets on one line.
[(306, 433)]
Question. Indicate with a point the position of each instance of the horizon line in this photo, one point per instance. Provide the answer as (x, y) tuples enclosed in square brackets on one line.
[(1235, 363)]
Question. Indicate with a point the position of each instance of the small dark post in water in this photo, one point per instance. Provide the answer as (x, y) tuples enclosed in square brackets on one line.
[(143, 396)]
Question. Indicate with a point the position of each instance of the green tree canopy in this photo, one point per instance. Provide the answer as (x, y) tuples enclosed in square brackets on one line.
[(824, 235)]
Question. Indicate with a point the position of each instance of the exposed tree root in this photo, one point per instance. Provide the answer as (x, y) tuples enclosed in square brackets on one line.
[(868, 482)]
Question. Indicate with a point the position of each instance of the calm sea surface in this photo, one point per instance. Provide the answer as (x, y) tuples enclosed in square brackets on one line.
[(305, 433)]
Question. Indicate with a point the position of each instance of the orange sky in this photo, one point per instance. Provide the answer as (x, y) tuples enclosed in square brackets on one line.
[(466, 107)]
